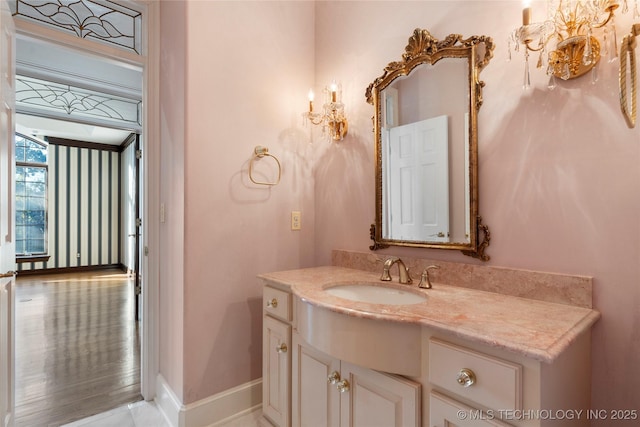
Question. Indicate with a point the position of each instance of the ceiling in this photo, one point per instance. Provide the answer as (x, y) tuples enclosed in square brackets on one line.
[(43, 60), (43, 126)]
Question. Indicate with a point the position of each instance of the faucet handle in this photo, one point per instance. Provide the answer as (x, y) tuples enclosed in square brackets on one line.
[(425, 281), (386, 277)]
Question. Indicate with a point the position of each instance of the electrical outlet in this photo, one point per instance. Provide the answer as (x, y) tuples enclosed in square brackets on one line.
[(295, 220)]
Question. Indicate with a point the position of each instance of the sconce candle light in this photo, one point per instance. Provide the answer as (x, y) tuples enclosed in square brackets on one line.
[(526, 12), (334, 122), (566, 40)]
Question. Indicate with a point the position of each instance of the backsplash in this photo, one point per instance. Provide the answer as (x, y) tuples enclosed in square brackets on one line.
[(549, 287)]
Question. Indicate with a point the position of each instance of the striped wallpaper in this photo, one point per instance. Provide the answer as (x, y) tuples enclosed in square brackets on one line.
[(85, 219)]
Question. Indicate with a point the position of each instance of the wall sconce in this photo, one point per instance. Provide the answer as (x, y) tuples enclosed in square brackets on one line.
[(566, 40), (332, 118)]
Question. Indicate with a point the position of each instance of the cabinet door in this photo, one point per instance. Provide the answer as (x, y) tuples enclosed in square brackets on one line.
[(276, 368), (315, 402), (445, 412), (378, 399)]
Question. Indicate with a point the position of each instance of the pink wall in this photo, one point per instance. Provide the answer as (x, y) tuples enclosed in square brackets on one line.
[(559, 181), (248, 68), (559, 176)]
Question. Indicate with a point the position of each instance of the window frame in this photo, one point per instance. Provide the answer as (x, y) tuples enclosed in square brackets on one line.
[(35, 256)]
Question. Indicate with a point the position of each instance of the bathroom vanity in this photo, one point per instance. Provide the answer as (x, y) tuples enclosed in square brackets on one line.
[(445, 356), (486, 346)]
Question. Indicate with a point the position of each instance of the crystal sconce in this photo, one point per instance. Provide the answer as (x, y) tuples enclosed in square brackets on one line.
[(567, 40), (332, 118)]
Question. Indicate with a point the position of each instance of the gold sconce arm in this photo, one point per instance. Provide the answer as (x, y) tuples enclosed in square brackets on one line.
[(527, 44), (611, 10), (628, 73)]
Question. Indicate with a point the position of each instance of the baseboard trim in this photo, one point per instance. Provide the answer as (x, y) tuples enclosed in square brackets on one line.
[(212, 411), (79, 269), (167, 402)]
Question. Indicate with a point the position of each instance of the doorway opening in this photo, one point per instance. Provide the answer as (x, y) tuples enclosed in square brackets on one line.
[(78, 312), (89, 300), (132, 41)]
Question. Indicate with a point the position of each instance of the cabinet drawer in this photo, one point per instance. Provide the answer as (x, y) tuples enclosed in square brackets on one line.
[(496, 383), (444, 412), (277, 303)]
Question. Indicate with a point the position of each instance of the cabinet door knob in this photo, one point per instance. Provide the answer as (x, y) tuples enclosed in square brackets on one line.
[(282, 348), (466, 377), (343, 386), (273, 303), (334, 377)]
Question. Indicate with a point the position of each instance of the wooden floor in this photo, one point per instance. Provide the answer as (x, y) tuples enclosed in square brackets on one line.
[(77, 346)]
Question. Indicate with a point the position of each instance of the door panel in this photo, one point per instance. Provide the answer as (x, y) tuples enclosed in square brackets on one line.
[(138, 225), (316, 402), (375, 399), (7, 375), (419, 180), (276, 359), (7, 212)]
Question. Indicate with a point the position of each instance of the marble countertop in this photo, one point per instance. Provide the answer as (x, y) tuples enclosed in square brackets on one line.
[(536, 329)]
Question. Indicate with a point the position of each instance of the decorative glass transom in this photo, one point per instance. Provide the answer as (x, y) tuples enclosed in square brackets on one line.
[(35, 95), (100, 20)]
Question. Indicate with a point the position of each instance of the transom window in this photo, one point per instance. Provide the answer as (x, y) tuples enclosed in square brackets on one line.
[(103, 21), (31, 196)]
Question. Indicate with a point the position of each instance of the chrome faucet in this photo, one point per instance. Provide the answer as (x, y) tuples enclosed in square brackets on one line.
[(402, 269), (425, 280)]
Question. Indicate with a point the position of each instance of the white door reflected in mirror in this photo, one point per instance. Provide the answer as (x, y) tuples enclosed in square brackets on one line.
[(416, 187)]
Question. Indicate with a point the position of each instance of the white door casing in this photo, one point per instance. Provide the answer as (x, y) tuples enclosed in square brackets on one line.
[(7, 215), (148, 62)]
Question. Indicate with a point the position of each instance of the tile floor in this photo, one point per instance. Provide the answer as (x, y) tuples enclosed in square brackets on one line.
[(138, 414), (147, 414)]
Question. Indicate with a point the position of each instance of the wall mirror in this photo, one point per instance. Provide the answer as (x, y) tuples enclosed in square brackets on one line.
[(426, 145)]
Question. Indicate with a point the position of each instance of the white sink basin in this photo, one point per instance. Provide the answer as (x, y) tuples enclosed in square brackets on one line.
[(376, 294)]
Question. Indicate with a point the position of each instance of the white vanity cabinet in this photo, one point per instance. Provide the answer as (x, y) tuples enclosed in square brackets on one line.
[(336, 363), (296, 390), (276, 356), (329, 392)]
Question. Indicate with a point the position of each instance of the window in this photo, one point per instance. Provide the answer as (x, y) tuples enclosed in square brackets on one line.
[(31, 196)]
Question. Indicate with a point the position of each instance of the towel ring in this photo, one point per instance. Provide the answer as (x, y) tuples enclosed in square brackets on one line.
[(258, 153)]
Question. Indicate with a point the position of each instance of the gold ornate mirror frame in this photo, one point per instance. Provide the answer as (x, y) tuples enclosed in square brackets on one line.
[(423, 48)]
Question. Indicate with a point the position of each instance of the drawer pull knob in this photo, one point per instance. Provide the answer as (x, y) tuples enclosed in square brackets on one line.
[(273, 303), (334, 377), (282, 348), (343, 386), (466, 377)]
